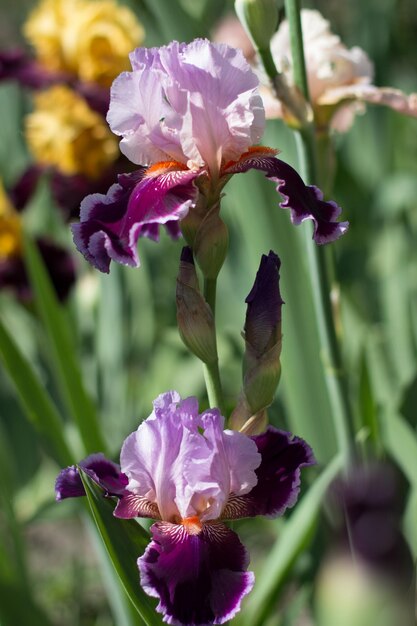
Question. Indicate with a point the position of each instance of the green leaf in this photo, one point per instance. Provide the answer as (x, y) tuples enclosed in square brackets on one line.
[(401, 443), (367, 414), (35, 401), (125, 541), (293, 539), (174, 21), (61, 344), (17, 607)]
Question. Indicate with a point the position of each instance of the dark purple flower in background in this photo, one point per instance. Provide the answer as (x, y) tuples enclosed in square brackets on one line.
[(190, 475), (13, 276), (190, 116), (368, 504)]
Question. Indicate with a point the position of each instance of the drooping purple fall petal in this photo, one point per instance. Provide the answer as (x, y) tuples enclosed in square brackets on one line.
[(110, 225), (103, 471), (304, 201), (278, 476), (199, 578)]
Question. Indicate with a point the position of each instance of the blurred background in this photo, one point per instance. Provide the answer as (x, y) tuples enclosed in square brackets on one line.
[(122, 328)]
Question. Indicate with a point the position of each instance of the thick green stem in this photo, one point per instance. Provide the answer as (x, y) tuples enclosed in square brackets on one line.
[(211, 370), (335, 380)]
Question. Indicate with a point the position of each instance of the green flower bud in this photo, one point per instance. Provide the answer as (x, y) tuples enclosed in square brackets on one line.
[(259, 18), (194, 316), (211, 243)]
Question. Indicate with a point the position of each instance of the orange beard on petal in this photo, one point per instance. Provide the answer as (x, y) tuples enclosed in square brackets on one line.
[(253, 151), (192, 525), (164, 166)]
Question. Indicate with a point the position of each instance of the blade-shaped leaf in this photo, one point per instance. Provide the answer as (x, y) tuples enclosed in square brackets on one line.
[(16, 607), (292, 540), (125, 541), (64, 360), (35, 401), (401, 443)]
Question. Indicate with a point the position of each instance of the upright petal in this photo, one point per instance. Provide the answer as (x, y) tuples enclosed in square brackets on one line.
[(196, 103), (304, 201), (278, 476), (185, 463), (200, 579), (225, 114), (106, 473), (111, 224)]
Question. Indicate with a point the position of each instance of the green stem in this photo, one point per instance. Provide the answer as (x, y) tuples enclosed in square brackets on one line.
[(335, 380), (211, 370)]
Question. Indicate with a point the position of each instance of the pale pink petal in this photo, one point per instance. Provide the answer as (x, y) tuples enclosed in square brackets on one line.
[(225, 113), (185, 463), (387, 96)]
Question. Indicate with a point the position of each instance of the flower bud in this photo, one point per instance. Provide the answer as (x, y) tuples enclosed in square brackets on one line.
[(211, 244), (194, 316), (261, 364), (259, 18)]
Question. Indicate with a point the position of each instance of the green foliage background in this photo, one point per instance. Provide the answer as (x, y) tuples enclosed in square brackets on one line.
[(118, 334)]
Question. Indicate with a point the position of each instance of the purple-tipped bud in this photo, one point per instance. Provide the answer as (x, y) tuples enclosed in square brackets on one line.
[(261, 365), (194, 316), (263, 314)]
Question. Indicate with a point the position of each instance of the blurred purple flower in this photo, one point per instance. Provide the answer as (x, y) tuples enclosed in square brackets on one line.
[(59, 263), (18, 66), (368, 502), (188, 473), (190, 116)]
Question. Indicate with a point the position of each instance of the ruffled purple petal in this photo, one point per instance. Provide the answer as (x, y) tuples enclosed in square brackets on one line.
[(278, 476), (200, 579), (112, 223), (304, 201), (103, 471)]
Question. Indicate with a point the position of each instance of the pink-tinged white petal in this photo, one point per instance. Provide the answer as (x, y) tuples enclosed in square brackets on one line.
[(225, 113), (221, 462), (304, 201), (386, 96), (138, 112), (278, 476), (199, 579), (185, 463), (329, 62), (111, 224), (196, 103)]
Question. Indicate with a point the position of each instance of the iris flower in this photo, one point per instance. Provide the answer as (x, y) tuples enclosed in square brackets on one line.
[(190, 116), (183, 470)]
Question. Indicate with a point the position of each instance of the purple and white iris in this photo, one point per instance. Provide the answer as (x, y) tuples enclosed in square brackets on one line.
[(182, 469), (190, 116)]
